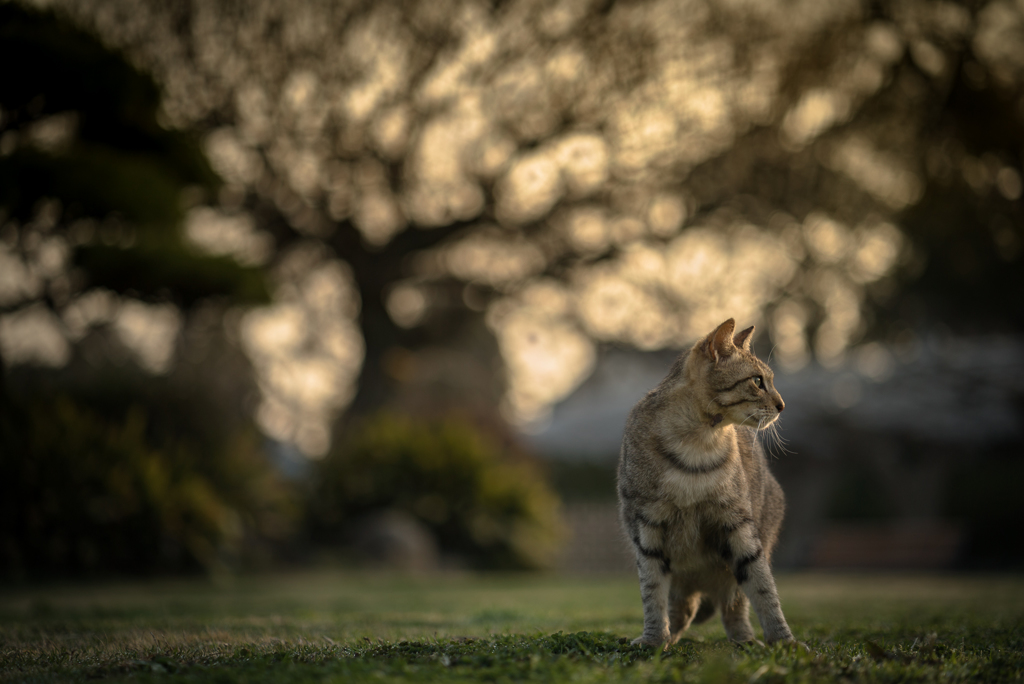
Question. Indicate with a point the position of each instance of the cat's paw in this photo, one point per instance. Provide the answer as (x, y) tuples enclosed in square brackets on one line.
[(792, 644), (650, 641), (750, 642), (799, 646)]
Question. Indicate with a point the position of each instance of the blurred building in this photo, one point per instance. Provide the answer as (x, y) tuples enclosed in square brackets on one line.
[(892, 460)]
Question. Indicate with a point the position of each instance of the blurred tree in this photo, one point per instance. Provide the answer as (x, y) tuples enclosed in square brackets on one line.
[(109, 466), (91, 185), (579, 172)]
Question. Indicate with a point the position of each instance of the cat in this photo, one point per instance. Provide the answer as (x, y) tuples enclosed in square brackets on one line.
[(696, 497)]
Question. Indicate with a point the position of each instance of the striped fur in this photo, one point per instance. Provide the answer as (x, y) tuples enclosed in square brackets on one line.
[(696, 498)]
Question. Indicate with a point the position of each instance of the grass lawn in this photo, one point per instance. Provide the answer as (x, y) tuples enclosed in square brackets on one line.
[(335, 627)]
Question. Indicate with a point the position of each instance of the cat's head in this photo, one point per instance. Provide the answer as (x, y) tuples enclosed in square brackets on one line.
[(739, 387)]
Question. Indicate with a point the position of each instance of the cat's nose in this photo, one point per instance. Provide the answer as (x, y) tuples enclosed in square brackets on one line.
[(780, 406)]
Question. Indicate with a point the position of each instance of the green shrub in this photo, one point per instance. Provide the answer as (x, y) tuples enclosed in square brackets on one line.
[(481, 506), (83, 493)]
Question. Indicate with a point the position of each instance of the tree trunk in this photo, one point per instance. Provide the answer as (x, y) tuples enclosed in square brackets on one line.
[(375, 272), (375, 386)]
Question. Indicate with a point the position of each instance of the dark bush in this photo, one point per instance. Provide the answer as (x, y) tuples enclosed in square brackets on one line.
[(483, 507), (82, 493)]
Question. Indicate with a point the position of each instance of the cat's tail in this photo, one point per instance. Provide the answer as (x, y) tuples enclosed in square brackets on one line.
[(706, 610)]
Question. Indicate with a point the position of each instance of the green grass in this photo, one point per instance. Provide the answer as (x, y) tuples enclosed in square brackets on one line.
[(336, 627)]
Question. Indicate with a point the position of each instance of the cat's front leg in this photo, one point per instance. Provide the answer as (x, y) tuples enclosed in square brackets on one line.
[(749, 566), (654, 569), (654, 589), (755, 578)]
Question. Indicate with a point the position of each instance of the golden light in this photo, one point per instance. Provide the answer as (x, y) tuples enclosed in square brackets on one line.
[(840, 300), (530, 188), (150, 331), (307, 352), (827, 239), (591, 159), (17, 281), (234, 160), (642, 132), (878, 173), (997, 39), (226, 234), (91, 308), (546, 354), (875, 361), (583, 158), (666, 215), (493, 257), (1009, 183), (788, 331), (615, 308), (377, 216), (587, 229), (440, 190), (817, 111), (878, 248), (650, 296), (390, 131), (33, 335), (406, 305)]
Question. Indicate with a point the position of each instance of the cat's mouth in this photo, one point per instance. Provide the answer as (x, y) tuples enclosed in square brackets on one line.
[(764, 419)]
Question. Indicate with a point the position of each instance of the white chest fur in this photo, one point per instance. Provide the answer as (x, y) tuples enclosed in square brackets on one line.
[(689, 489)]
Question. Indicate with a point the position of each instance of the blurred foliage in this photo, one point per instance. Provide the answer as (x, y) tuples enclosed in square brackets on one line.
[(577, 174), (968, 225), (555, 177), (84, 493), (172, 271), (81, 136), (481, 506), (99, 475), (563, 175), (65, 69)]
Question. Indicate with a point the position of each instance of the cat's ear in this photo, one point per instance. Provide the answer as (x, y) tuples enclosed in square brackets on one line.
[(719, 344), (743, 338)]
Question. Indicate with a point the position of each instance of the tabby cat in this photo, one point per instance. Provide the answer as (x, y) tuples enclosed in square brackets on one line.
[(696, 497)]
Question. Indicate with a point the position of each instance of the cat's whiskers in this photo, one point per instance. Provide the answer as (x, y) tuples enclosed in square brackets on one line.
[(775, 441), (771, 441)]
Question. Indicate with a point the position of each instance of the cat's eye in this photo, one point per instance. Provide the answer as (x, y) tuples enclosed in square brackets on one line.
[(758, 381)]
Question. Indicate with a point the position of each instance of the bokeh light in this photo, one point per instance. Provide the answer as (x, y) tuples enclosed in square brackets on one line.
[(630, 178)]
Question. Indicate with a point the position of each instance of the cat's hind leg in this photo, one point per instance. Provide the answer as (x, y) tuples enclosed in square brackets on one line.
[(682, 609), (704, 613), (736, 617)]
